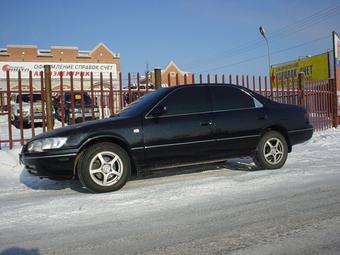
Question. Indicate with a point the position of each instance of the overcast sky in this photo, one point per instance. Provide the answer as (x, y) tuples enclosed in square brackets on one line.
[(199, 35)]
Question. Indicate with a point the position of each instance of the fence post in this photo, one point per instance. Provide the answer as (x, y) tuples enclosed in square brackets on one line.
[(335, 103), (48, 97), (9, 109), (301, 97), (158, 78)]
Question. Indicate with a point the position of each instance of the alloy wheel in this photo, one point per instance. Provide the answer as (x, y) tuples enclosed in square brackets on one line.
[(106, 168), (273, 151)]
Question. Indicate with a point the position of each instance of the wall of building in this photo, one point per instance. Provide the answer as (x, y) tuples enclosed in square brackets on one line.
[(15, 56)]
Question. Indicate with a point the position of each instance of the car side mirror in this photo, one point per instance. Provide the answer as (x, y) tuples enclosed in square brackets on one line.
[(158, 111)]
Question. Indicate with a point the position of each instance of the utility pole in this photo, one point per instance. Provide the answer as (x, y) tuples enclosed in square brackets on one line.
[(48, 97), (263, 33), (301, 97)]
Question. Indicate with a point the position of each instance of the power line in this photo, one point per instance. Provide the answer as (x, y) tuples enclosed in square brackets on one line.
[(262, 56), (285, 31)]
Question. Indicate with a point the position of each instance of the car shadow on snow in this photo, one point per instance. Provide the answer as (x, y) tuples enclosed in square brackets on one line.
[(238, 164), (19, 251), (36, 183)]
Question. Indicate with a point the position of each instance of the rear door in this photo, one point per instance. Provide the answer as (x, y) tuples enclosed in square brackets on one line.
[(238, 119), (184, 132)]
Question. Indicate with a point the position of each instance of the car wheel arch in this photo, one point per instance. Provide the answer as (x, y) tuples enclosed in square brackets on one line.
[(283, 131), (105, 138)]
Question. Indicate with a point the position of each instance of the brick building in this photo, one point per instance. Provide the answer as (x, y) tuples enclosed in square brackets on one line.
[(62, 59), (170, 75)]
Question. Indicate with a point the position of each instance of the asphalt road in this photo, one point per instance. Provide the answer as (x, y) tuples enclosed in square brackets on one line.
[(210, 209)]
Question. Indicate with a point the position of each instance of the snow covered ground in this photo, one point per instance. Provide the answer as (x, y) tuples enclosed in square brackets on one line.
[(207, 209)]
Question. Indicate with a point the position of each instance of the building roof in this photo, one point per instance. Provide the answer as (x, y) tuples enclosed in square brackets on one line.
[(47, 52), (172, 63)]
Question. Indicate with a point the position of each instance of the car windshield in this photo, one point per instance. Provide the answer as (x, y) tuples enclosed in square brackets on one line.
[(142, 103), (26, 98)]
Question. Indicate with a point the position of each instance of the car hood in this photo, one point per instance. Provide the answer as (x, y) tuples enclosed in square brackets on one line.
[(78, 132)]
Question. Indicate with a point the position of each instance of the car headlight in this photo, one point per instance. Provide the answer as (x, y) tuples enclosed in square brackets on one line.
[(77, 110), (46, 144)]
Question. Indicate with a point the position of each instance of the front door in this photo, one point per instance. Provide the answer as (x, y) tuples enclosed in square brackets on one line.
[(183, 133)]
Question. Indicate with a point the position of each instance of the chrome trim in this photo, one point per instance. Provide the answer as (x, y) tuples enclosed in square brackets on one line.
[(300, 130), (137, 148), (237, 137), (236, 109), (176, 144), (176, 115), (257, 103), (51, 156), (195, 113), (195, 142)]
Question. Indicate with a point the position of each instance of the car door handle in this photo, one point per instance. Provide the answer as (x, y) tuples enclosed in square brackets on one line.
[(206, 123), (262, 117)]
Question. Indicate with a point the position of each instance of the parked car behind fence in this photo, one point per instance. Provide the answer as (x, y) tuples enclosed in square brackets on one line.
[(78, 108), (26, 111)]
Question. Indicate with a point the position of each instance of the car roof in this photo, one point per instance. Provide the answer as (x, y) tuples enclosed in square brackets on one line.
[(208, 85)]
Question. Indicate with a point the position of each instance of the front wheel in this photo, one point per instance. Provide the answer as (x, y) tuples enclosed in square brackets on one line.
[(272, 151), (104, 167)]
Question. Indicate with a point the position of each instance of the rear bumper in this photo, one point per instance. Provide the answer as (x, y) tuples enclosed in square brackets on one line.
[(300, 135), (58, 166)]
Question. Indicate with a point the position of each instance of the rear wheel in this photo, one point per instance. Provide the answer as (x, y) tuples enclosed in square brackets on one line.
[(104, 167), (272, 151)]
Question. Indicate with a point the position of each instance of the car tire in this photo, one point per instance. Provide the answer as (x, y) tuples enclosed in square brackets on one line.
[(104, 167), (272, 151)]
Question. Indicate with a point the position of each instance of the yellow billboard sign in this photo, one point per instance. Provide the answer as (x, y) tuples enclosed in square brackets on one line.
[(315, 68)]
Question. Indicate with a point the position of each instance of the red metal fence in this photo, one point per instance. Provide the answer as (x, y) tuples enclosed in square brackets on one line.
[(21, 119)]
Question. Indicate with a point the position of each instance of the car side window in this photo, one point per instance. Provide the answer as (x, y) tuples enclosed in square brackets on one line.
[(230, 98), (187, 100)]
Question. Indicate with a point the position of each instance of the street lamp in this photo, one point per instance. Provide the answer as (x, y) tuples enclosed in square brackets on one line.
[(263, 33)]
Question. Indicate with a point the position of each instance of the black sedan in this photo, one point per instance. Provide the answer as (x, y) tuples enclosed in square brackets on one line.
[(170, 126)]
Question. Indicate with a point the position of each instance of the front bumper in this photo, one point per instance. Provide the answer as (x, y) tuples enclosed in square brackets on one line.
[(27, 118), (49, 165)]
